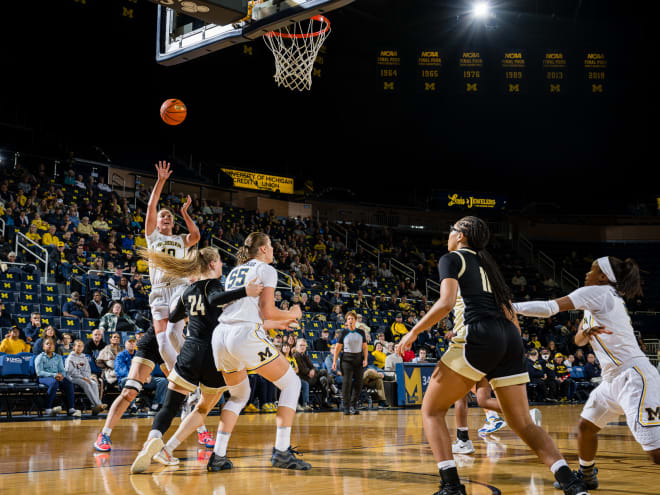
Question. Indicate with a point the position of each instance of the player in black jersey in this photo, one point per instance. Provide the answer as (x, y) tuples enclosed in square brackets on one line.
[(491, 348)]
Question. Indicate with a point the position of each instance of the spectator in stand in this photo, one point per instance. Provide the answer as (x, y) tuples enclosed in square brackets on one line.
[(551, 382), (66, 347), (139, 292), (318, 305), (592, 368), (370, 282), (115, 320), (97, 306), (579, 358), (519, 280), (428, 340), (323, 343), (337, 316), (79, 372), (75, 307), (552, 349), (33, 329), (363, 326), (334, 374), (85, 228), (421, 358), (13, 343), (123, 292), (106, 359), (95, 344), (33, 234), (374, 379), (569, 361), (392, 359), (51, 372), (49, 333), (96, 244), (309, 374), (379, 355), (359, 301), (567, 386), (398, 328), (537, 375)]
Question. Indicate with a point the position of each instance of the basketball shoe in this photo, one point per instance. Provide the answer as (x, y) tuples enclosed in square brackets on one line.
[(492, 424), (218, 463), (103, 443), (461, 447), (287, 460), (206, 438), (143, 459)]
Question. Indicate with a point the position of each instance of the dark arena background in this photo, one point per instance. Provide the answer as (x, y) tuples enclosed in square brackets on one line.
[(539, 117)]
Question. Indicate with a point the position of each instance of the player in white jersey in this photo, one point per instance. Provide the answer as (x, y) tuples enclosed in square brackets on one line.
[(241, 345), (154, 349), (631, 385)]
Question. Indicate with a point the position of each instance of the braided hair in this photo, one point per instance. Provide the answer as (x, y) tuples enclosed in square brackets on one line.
[(478, 235), (250, 247)]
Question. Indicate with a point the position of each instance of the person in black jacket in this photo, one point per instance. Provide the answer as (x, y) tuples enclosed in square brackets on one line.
[(323, 343), (98, 306), (551, 383), (537, 374)]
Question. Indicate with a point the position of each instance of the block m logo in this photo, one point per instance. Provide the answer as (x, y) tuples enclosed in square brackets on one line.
[(388, 86), (413, 384), (555, 88), (265, 354), (514, 88), (652, 413), (471, 87), (596, 88), (429, 86)]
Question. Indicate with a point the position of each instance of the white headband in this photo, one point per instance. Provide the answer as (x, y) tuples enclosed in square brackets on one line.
[(606, 268)]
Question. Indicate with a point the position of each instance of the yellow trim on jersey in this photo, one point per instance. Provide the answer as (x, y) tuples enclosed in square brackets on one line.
[(455, 360), (146, 362), (641, 403), (612, 356), (506, 381), (177, 379), (463, 265)]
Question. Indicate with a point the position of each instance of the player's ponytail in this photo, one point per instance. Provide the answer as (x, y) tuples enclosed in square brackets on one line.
[(478, 235), (250, 247), (628, 280), (194, 264)]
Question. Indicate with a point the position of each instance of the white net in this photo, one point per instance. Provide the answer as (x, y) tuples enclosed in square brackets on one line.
[(295, 48)]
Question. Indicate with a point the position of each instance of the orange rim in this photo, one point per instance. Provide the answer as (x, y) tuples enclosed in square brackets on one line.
[(318, 18)]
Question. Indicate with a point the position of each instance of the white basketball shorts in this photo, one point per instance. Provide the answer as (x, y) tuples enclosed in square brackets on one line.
[(242, 346), (635, 393), (161, 298)]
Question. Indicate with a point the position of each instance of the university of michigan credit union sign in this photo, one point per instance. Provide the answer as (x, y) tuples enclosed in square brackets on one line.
[(262, 182)]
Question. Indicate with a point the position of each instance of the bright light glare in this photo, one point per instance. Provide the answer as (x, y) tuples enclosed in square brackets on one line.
[(481, 9)]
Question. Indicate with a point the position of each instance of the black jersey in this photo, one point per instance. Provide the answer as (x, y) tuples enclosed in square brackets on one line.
[(475, 291), (202, 302)]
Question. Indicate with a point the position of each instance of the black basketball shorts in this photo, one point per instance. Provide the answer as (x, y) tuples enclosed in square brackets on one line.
[(195, 366), (147, 350), (492, 348)]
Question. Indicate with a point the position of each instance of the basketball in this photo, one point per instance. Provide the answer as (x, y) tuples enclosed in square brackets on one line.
[(173, 111)]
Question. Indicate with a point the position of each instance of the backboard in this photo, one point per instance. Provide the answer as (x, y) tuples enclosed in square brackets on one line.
[(182, 37)]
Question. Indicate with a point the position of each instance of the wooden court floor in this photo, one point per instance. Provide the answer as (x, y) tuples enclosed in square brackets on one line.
[(377, 452)]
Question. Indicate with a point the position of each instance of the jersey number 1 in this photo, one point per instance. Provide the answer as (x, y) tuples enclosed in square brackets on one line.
[(485, 283), (196, 306)]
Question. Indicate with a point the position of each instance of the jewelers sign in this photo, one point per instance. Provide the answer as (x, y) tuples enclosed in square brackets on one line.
[(452, 200)]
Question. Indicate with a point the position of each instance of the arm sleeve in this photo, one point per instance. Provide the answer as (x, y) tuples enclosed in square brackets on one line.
[(541, 309), (450, 266), (268, 276), (179, 311), (217, 296)]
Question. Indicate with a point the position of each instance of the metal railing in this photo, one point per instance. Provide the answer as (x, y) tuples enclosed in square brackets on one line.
[(341, 231), (546, 265), (119, 181), (432, 287), (2, 227), (30, 246), (567, 281), (20, 264), (526, 248), (396, 265), (368, 248)]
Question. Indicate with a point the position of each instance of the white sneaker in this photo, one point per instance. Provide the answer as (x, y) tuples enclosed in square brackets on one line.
[(299, 408), (56, 410), (495, 424), (165, 458), (191, 402), (536, 416), (76, 413), (460, 447), (143, 459)]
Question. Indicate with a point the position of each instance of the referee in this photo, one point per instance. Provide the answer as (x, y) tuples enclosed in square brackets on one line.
[(353, 361)]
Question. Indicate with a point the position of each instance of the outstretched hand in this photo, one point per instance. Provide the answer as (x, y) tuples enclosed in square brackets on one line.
[(590, 332), (254, 289), (406, 343), (185, 207), (163, 169)]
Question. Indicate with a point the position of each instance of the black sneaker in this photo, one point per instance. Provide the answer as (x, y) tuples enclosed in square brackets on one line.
[(591, 481), (287, 460), (575, 487), (217, 463), (451, 489)]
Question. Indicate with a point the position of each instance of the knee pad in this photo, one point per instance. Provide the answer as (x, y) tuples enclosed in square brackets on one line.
[(174, 332), (133, 385), (240, 394), (290, 386), (171, 407)]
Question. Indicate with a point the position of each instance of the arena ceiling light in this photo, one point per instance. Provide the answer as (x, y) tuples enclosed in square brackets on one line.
[(481, 10)]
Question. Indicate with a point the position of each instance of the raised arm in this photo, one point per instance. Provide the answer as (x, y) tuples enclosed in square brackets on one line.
[(164, 172), (193, 236)]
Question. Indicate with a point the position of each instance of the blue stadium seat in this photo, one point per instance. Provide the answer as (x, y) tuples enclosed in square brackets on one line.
[(50, 289), (92, 364), (89, 324), (3, 332), (28, 298), (50, 320), (22, 320), (95, 283), (10, 276), (26, 308), (577, 372), (317, 358), (29, 288), (8, 286), (64, 299), (49, 298), (67, 323), (33, 278), (50, 309), (8, 297), (9, 306)]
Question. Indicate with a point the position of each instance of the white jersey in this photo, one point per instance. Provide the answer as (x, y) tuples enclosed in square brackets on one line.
[(174, 245), (605, 308), (247, 308)]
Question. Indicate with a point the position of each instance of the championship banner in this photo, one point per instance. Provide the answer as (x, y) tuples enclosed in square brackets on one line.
[(451, 200), (471, 65), (595, 72), (555, 71), (514, 72), (429, 65), (262, 182), (412, 380), (388, 63)]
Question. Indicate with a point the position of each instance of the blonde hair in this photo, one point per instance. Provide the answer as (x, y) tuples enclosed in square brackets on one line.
[(251, 246), (194, 264)]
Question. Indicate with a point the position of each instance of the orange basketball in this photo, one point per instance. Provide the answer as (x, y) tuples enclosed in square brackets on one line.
[(173, 111)]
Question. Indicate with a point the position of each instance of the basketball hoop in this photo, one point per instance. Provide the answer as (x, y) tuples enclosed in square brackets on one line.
[(295, 49)]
